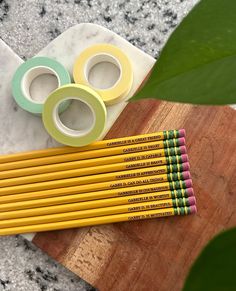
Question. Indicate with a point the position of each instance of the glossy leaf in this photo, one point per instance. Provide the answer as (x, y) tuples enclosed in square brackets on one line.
[(198, 63), (215, 268)]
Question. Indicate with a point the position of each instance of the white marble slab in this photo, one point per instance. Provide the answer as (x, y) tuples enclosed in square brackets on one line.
[(20, 130)]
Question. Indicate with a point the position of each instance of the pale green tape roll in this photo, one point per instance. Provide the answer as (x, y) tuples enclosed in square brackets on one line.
[(27, 72), (62, 133)]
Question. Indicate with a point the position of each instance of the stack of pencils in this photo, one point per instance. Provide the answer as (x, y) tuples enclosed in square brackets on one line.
[(124, 179)]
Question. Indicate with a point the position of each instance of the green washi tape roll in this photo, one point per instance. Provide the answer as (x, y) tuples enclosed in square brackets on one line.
[(30, 70), (66, 135)]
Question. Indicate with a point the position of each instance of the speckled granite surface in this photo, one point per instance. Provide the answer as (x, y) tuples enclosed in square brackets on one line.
[(27, 26)]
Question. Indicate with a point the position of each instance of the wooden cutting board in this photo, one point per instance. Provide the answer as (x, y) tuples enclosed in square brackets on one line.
[(157, 254)]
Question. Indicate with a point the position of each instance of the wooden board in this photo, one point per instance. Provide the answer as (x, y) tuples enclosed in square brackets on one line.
[(157, 254)]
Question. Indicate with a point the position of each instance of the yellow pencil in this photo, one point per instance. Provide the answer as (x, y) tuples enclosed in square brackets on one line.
[(91, 154), (96, 145), (98, 191), (116, 167), (90, 180), (111, 210), (73, 202), (140, 215), (134, 157)]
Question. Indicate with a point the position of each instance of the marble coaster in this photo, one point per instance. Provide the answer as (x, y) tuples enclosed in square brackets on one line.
[(22, 131)]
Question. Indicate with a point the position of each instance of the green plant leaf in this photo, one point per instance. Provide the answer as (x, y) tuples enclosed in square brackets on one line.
[(198, 63), (215, 268)]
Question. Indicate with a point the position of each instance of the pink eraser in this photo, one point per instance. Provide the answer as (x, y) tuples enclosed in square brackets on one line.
[(186, 175), (183, 150), (182, 132), (188, 183), (192, 200), (193, 209), (181, 141), (186, 166), (189, 192), (184, 158)]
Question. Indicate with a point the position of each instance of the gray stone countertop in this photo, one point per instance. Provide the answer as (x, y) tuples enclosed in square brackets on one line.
[(27, 26)]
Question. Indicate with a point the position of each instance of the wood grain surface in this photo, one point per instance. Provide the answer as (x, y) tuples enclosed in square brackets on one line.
[(157, 254)]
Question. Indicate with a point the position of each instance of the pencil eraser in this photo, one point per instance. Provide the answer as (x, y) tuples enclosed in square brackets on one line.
[(184, 158), (186, 166), (189, 192), (181, 141), (193, 209), (183, 150), (192, 200), (186, 175), (188, 183), (182, 132)]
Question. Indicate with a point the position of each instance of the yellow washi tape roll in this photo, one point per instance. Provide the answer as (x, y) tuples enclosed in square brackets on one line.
[(66, 135), (100, 53)]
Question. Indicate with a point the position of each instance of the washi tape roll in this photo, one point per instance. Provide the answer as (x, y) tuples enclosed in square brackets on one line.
[(66, 135), (100, 53), (30, 70)]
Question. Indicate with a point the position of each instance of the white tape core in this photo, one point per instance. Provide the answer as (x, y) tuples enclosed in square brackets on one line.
[(31, 75), (98, 59), (72, 132)]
